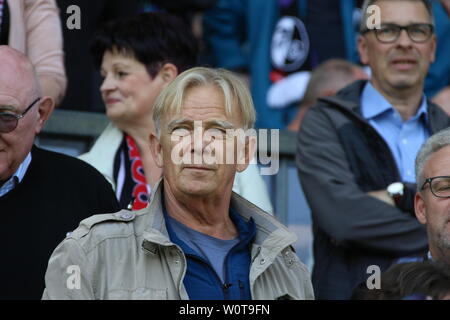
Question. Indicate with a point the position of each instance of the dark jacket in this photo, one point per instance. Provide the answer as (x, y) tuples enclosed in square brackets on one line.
[(340, 158), (56, 193)]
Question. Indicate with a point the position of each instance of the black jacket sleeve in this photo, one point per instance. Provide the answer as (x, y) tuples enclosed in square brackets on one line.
[(339, 207)]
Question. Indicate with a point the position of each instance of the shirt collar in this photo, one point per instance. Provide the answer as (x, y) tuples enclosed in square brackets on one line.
[(20, 173), (17, 177), (373, 104), (246, 229)]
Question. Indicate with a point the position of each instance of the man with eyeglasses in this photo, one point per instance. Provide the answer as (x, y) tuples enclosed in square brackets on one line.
[(432, 200), (43, 195), (356, 151)]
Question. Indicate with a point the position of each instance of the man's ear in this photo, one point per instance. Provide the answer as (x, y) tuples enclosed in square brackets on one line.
[(168, 73), (45, 109), (420, 208), (244, 158), (156, 149), (362, 49)]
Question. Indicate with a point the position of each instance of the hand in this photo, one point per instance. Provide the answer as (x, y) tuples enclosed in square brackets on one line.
[(383, 196)]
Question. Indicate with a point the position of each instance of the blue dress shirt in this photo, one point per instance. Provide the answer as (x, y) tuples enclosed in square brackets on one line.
[(404, 138), (17, 177)]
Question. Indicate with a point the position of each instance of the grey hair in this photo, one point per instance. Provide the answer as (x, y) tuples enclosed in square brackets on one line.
[(235, 93), (368, 3), (435, 143)]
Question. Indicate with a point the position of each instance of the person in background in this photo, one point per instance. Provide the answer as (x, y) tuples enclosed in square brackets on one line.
[(432, 200), (425, 280), (196, 239), (273, 43), (34, 28), (326, 80), (43, 194), (138, 57), (356, 152)]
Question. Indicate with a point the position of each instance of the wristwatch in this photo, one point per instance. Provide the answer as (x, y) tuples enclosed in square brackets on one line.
[(395, 191)]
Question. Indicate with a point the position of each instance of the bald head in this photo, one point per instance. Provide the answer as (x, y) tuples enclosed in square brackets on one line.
[(17, 74)]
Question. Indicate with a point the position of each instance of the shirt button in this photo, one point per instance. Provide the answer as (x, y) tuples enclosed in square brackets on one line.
[(126, 216), (405, 141), (262, 261)]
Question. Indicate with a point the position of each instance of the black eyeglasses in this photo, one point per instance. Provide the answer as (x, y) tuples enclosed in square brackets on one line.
[(439, 186), (9, 120), (389, 33)]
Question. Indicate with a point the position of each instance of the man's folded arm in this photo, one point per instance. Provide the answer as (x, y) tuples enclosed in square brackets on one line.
[(340, 208)]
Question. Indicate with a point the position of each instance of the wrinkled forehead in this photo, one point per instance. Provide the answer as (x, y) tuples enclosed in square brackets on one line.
[(204, 103)]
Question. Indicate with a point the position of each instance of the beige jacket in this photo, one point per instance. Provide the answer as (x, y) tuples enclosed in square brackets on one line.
[(249, 183), (35, 30), (128, 255)]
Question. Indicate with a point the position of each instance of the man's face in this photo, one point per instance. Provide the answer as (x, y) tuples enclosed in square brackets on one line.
[(402, 64), (203, 108), (15, 145), (434, 211)]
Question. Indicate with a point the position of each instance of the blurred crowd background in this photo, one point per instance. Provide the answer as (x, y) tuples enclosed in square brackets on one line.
[(290, 52)]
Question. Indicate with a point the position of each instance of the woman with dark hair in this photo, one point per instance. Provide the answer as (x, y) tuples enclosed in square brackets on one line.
[(137, 57)]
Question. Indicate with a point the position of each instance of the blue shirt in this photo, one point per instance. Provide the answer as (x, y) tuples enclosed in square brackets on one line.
[(211, 249), (17, 177), (201, 280), (404, 138)]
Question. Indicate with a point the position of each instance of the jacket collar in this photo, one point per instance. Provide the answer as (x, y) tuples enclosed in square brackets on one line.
[(271, 235), (348, 100)]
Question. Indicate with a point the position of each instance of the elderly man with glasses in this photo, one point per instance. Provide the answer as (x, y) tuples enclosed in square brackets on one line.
[(432, 200), (43, 195), (196, 239), (356, 151)]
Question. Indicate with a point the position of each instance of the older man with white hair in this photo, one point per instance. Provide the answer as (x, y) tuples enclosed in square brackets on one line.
[(196, 239)]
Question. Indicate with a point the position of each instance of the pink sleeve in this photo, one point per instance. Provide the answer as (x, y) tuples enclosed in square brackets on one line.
[(45, 45)]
